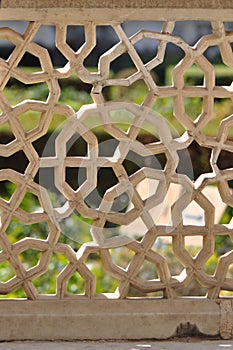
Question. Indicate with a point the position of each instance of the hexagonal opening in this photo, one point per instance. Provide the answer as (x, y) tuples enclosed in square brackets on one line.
[(194, 76), (18, 161), (135, 229), (122, 256), (31, 203), (17, 230), (76, 284), (136, 92), (19, 92), (170, 197), (193, 214), (225, 160), (163, 247), (148, 271), (75, 177), (106, 178), (29, 258), (225, 293), (72, 32), (6, 271), (7, 189), (8, 48), (75, 230), (7, 135), (193, 106), (17, 293), (76, 146), (30, 120), (195, 160), (222, 109), (223, 245), (193, 244), (46, 282)]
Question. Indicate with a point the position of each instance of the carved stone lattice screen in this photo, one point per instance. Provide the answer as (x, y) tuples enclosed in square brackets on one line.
[(122, 218)]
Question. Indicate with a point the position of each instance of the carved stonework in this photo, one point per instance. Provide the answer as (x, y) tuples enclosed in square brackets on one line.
[(109, 208)]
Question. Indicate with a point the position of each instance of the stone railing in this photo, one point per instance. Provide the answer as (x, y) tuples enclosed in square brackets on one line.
[(130, 215)]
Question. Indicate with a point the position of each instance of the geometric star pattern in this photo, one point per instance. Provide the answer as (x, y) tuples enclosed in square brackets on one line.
[(122, 121)]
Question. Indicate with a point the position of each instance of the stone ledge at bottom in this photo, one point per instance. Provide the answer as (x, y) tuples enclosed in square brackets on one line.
[(107, 319)]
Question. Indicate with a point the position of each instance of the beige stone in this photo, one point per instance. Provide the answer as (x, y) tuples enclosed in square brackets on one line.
[(220, 4), (106, 319), (96, 316)]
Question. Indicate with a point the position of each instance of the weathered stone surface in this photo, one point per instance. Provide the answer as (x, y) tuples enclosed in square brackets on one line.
[(118, 4), (106, 319)]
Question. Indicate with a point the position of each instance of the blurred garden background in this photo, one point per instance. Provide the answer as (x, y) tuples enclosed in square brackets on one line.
[(76, 93)]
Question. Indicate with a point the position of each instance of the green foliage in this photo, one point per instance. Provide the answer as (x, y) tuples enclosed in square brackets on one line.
[(74, 97)]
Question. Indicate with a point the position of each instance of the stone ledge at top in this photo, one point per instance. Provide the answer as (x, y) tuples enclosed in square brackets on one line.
[(178, 4)]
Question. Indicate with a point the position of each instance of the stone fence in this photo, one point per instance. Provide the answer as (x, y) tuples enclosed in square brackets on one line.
[(137, 211)]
